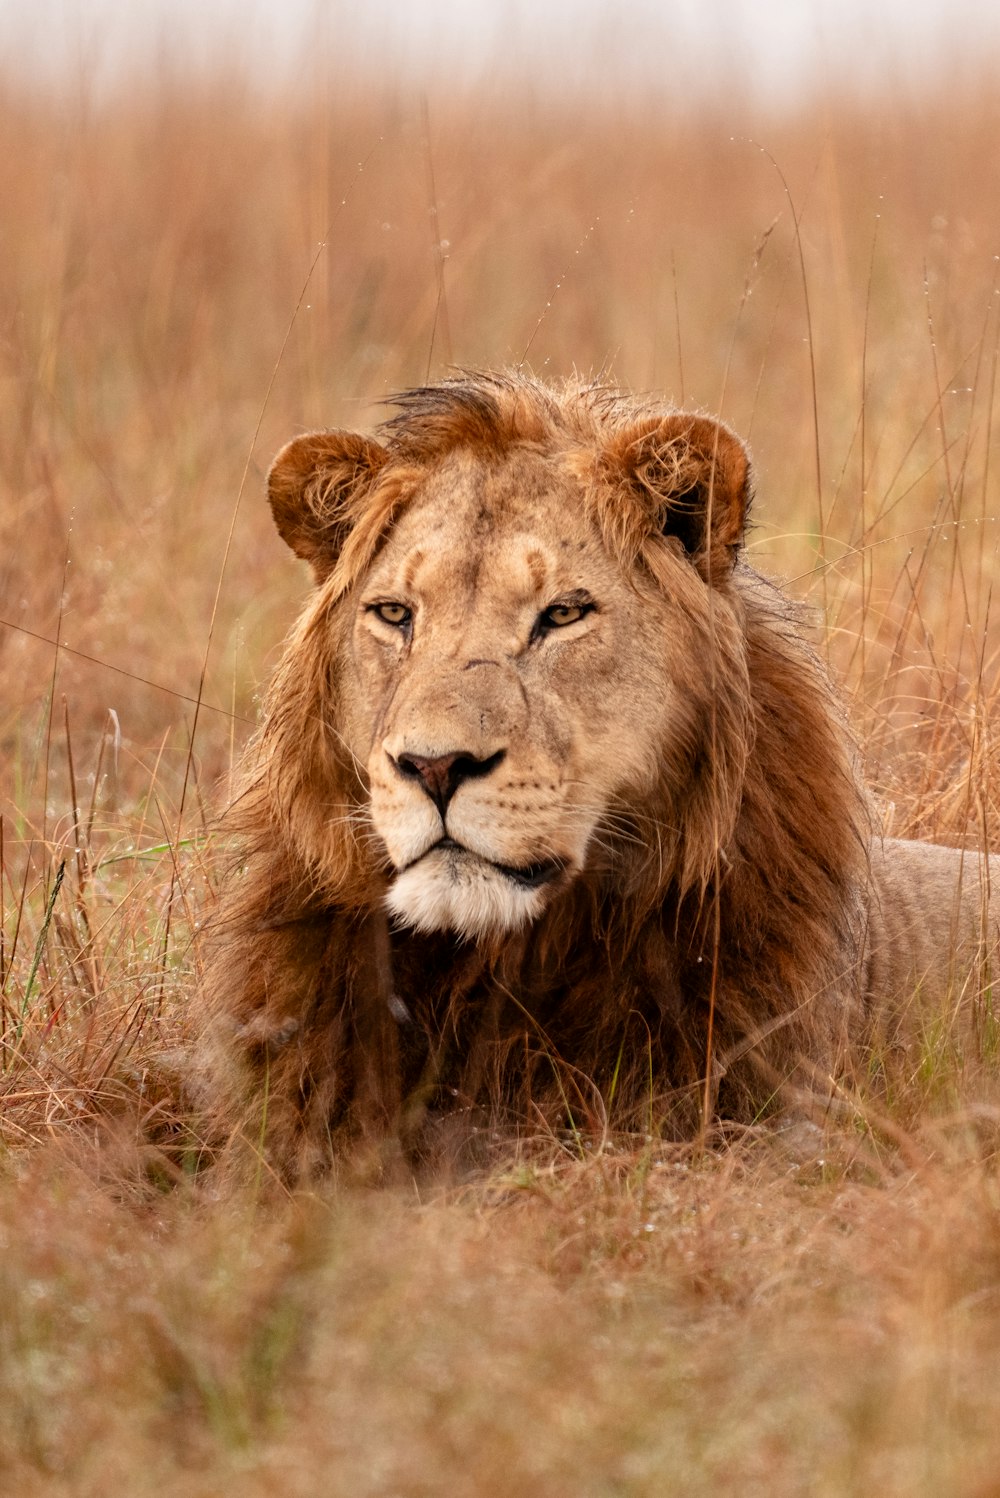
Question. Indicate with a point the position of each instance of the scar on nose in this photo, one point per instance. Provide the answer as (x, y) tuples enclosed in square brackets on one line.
[(469, 664)]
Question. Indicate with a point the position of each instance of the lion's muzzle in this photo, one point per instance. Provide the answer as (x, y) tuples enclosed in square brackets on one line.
[(441, 775), (455, 873)]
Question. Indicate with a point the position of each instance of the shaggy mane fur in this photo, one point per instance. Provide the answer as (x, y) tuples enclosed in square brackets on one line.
[(722, 943)]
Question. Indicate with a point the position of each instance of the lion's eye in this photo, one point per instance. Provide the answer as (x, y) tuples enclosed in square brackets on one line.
[(396, 614), (558, 615)]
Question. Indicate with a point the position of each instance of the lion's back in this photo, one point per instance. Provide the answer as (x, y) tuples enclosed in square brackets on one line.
[(933, 931)]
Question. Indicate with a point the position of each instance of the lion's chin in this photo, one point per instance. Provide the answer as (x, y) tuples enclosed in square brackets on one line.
[(466, 895)]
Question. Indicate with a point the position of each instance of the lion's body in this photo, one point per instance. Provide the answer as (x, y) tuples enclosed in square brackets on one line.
[(552, 803)]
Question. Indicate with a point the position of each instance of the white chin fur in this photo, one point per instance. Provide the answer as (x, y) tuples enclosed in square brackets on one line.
[(471, 901)]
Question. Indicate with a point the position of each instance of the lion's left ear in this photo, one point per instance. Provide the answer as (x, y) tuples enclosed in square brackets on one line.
[(315, 485), (692, 475)]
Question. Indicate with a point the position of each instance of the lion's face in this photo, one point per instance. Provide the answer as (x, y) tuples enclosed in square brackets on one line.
[(503, 621), (503, 684)]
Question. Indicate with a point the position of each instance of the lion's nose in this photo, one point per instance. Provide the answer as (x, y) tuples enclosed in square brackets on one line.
[(442, 775)]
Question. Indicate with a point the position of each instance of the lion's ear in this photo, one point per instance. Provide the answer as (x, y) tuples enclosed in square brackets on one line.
[(314, 487), (692, 475)]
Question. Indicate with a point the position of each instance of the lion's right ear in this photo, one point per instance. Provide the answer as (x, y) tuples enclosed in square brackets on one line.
[(315, 487)]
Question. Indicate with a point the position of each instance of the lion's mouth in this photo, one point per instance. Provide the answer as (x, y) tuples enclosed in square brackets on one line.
[(525, 876)]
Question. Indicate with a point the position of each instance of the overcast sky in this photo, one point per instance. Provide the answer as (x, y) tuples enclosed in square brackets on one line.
[(782, 46)]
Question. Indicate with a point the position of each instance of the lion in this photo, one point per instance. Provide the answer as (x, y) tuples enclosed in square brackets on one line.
[(554, 820)]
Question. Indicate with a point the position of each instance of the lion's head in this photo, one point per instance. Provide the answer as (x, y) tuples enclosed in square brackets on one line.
[(512, 589)]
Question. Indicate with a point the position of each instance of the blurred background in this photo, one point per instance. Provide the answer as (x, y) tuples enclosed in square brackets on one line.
[(223, 224), (780, 52)]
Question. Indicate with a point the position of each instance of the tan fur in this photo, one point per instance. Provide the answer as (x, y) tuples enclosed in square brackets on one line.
[(533, 633)]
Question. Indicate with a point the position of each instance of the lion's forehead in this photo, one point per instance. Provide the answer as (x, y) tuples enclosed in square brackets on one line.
[(518, 528)]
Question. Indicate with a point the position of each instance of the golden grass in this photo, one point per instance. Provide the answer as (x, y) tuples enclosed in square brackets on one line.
[(725, 1326), (764, 1317)]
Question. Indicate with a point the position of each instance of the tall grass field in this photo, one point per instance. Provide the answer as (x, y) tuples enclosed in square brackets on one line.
[(191, 272)]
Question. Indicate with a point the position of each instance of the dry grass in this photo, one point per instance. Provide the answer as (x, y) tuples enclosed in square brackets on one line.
[(757, 1319), (716, 1327)]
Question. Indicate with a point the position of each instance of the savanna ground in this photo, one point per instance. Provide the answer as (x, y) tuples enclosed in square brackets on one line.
[(188, 275)]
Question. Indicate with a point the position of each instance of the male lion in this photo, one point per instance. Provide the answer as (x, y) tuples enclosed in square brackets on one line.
[(552, 814)]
